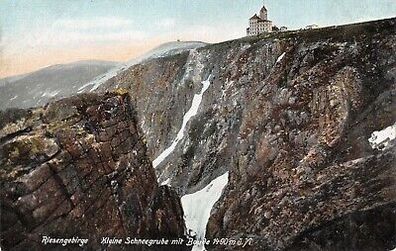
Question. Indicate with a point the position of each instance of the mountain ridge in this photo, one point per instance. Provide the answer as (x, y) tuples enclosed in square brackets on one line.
[(278, 113), (284, 130), (74, 63), (52, 82)]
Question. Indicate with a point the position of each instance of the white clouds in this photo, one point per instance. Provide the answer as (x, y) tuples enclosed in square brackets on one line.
[(94, 23), (166, 23), (75, 38), (71, 39), (211, 33), (73, 33), (94, 30), (67, 33)]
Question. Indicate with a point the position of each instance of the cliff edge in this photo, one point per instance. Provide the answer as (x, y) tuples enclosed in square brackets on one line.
[(77, 168)]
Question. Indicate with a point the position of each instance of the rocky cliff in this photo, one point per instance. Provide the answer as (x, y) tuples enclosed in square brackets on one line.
[(289, 115), (78, 168), (292, 133)]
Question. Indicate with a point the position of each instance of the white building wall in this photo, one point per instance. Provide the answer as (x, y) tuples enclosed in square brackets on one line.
[(253, 27)]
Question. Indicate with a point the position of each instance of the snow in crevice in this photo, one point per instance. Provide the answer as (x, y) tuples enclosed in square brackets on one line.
[(380, 139), (196, 102), (197, 207), (49, 94), (280, 57), (13, 98), (164, 50), (166, 182), (226, 87)]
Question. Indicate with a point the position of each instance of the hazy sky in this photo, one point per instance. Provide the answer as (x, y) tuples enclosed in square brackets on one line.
[(37, 33)]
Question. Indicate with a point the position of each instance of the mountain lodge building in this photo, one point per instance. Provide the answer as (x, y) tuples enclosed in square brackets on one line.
[(259, 24)]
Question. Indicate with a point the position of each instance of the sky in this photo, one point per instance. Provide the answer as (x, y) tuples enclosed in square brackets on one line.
[(39, 33)]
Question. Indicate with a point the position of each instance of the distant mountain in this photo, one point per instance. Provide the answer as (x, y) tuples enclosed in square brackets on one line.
[(37, 88), (63, 80), (163, 50)]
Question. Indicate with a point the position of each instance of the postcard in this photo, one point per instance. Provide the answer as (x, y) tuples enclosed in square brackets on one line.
[(198, 125)]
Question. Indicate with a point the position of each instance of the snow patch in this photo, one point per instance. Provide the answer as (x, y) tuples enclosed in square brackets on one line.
[(197, 207), (186, 118), (13, 98), (380, 139), (166, 182), (226, 87), (280, 57), (50, 94)]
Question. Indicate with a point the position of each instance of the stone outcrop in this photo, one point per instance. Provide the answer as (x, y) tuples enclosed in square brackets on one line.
[(289, 116), (78, 168), (304, 174)]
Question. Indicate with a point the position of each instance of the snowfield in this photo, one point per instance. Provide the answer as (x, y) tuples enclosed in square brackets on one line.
[(197, 207)]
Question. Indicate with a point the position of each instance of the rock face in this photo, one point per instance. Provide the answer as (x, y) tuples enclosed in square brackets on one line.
[(78, 168), (289, 116)]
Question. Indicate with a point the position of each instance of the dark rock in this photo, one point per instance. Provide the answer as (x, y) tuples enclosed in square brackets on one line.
[(293, 134), (62, 179)]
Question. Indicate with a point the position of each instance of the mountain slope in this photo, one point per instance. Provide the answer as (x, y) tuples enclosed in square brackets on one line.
[(37, 88), (289, 116), (57, 81)]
